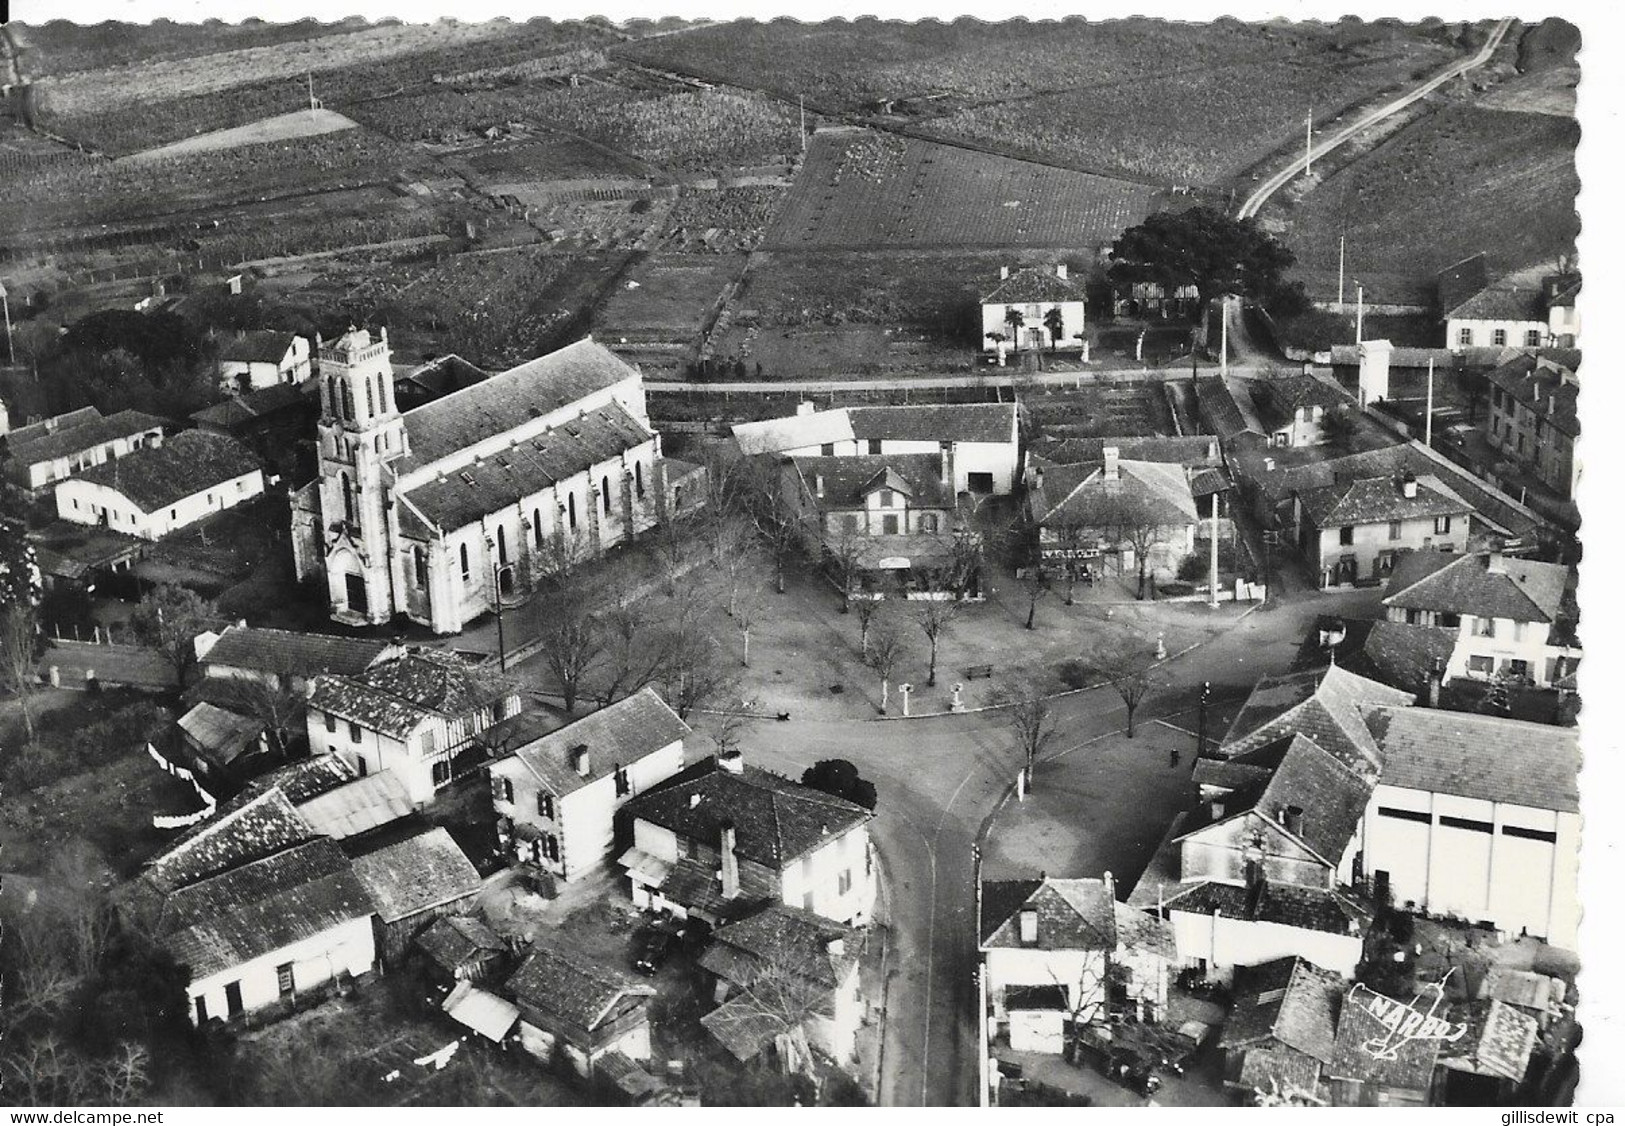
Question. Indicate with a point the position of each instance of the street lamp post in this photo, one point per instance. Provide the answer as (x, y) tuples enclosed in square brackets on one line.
[(502, 644)]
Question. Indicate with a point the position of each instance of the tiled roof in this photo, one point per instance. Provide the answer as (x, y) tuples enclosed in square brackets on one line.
[(1288, 905), (541, 386), (1331, 796), (185, 465), (1479, 583), (265, 905), (783, 936), (245, 408), (1142, 932), (1219, 401), (1288, 1001), (1479, 756), (265, 825), (1523, 988), (743, 1026), (1376, 500), (1499, 1040), (1560, 290), (618, 735), (1082, 495), (775, 820), (936, 422), (1544, 387), (1072, 914), (847, 480), (1190, 451), (1502, 301), (1410, 1069), (221, 734), (260, 346), (359, 806), (1392, 653), (298, 782), (1300, 390), (411, 876), (394, 695), (458, 941), (1322, 704), (1278, 1069), (570, 985), (460, 497), (1458, 282), (76, 432), (1032, 284), (286, 653), (793, 432)]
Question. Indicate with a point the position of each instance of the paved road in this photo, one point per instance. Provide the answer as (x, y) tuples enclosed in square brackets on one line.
[(992, 377), (1275, 183), (939, 780)]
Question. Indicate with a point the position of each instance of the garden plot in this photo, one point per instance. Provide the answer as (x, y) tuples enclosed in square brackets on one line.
[(861, 189), (667, 299)]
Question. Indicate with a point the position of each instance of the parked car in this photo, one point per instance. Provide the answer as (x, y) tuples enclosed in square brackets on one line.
[(652, 946)]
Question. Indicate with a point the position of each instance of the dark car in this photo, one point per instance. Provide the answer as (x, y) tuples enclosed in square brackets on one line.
[(651, 947)]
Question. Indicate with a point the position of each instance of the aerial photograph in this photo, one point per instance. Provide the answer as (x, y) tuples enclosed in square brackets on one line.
[(754, 562)]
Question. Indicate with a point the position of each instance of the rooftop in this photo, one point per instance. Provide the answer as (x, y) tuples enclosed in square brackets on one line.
[(1543, 386), (258, 346), (1190, 450), (1289, 1001), (1479, 756), (782, 936), (570, 985), (1072, 914), (358, 806), (191, 462), (612, 737), (286, 653), (394, 695), (1458, 282), (75, 432), (1409, 1063), (936, 422), (1324, 704), (242, 409), (1031, 284), (1375, 500), (848, 480), (1083, 495), (411, 876), (1392, 653), (1484, 584)]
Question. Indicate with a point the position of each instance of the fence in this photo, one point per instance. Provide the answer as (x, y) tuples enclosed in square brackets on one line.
[(183, 820)]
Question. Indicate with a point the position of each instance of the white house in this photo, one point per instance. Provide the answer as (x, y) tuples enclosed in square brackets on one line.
[(1509, 313), (721, 836), (1052, 948), (1513, 617), (556, 797), (980, 441), (1475, 816), (252, 361), (1357, 531), (1106, 511), (1032, 310), (58, 447), (282, 658), (409, 715), (1294, 408), (158, 489), (571, 1002), (438, 512)]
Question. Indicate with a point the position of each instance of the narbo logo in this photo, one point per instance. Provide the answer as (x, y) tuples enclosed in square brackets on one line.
[(1404, 1024)]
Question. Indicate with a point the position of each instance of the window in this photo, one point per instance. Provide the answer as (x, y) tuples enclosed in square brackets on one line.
[(623, 784), (355, 732), (1529, 834), (1441, 525), (360, 767), (849, 524), (502, 546), (1464, 336), (637, 478), (843, 883), (827, 449), (1396, 529), (928, 523), (440, 771), (1405, 814), (1449, 621), (887, 498), (420, 565), (383, 400), (1498, 337), (572, 512), (551, 844), (1531, 339), (1483, 627), (332, 723), (544, 806), (234, 999), (349, 501), (372, 404), (1483, 666), (1466, 823), (462, 556), (874, 447), (505, 789), (284, 980), (536, 526), (605, 488), (1345, 535), (202, 1010), (807, 901), (172, 512), (888, 525)]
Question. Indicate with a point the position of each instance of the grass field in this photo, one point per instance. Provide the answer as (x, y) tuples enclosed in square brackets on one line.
[(862, 189), (1200, 100), (1458, 181), (666, 297), (283, 127), (59, 47), (546, 156)]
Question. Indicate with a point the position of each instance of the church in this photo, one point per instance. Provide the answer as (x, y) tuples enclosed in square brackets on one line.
[(438, 512)]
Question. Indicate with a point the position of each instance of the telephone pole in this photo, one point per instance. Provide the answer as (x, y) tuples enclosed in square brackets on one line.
[(1308, 139), (1428, 426), (5, 304), (801, 100), (1359, 311), (1340, 240)]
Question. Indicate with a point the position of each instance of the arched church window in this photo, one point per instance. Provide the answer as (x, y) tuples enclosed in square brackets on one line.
[(349, 499)]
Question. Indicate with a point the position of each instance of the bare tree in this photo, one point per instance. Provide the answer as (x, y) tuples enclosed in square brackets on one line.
[(866, 607), (1131, 674), (1032, 721), (1131, 520), (169, 620), (17, 666), (846, 553), (778, 999), (674, 541), (558, 554), (748, 608), (1034, 586), (632, 659), (1070, 540), (572, 642), (730, 728), (933, 616), (271, 699), (778, 521), (886, 649)]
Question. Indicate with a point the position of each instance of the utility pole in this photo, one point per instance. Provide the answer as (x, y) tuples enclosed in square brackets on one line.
[(1201, 719), (1224, 335), (502, 646), (1213, 556), (801, 100), (5, 303), (1308, 139), (1359, 312), (1340, 240), (1428, 426)]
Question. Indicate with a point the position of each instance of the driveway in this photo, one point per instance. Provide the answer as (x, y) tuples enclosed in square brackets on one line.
[(940, 782)]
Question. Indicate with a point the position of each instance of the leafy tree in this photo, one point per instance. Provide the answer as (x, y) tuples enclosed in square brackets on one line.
[(169, 620), (1054, 322), (1219, 254), (1015, 318), (839, 777), (1339, 428)]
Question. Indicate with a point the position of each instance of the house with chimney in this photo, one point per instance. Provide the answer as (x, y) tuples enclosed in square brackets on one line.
[(254, 360), (1032, 310), (283, 660), (556, 797), (577, 1009), (721, 839), (1294, 407), (980, 441), (1355, 531), (1058, 951), (159, 489), (1513, 618), (1535, 418), (1101, 514), (1478, 311), (41, 453), (410, 715), (1282, 1030)]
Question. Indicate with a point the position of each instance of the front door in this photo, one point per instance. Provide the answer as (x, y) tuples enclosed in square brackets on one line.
[(234, 999), (355, 593)]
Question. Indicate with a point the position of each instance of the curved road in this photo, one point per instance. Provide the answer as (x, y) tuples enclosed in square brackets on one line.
[(940, 780), (1275, 183)]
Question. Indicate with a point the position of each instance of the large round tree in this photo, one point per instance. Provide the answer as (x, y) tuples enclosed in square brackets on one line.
[(1220, 255)]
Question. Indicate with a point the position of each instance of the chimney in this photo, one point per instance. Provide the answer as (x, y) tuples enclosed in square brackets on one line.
[(1111, 886), (1536, 387), (1435, 682), (731, 761), (694, 800), (1216, 808), (580, 761), (1060, 270), (836, 947), (1029, 926), (1407, 486), (1038, 478), (1292, 819), (1269, 465), (806, 406), (1004, 273), (818, 485), (1495, 563), (1551, 405), (1110, 470), (948, 468), (730, 862)]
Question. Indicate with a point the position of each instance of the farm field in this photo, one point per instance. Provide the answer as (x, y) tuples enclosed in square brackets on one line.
[(1101, 411), (59, 47), (283, 127), (862, 189), (655, 316), (545, 156), (722, 219), (1458, 181)]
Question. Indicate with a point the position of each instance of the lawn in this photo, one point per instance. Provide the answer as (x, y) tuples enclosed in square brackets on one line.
[(863, 189), (1458, 181)]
